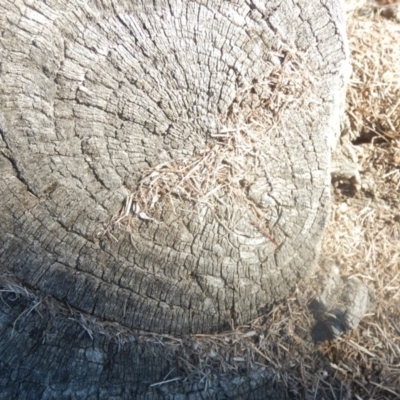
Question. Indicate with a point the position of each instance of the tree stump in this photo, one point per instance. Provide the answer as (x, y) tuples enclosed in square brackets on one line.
[(165, 165)]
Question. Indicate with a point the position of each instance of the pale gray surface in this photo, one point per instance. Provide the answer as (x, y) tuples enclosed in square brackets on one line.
[(94, 93), (341, 305)]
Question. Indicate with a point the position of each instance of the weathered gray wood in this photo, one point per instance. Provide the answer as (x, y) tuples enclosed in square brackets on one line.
[(43, 356), (95, 93), (92, 95)]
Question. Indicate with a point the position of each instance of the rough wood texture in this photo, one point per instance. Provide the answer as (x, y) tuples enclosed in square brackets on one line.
[(342, 304), (52, 357), (93, 95)]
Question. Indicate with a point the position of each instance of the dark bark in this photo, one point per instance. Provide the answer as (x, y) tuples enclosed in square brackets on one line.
[(94, 95), (53, 357)]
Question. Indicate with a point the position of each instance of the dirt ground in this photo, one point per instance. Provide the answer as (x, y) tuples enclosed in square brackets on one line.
[(363, 237), (364, 232)]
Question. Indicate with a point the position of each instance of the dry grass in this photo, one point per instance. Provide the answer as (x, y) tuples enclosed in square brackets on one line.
[(374, 91), (364, 232), (363, 237), (217, 178)]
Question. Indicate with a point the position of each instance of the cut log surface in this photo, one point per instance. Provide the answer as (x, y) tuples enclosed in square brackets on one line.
[(95, 94)]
